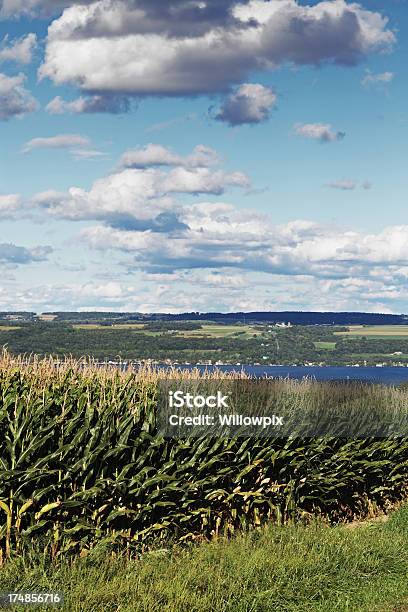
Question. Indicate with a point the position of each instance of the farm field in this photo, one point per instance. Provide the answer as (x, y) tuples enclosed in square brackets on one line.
[(221, 331), (96, 503), (192, 342), (210, 330), (99, 427), (380, 331), (328, 346)]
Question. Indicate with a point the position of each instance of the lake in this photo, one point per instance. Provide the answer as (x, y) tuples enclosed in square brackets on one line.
[(378, 375)]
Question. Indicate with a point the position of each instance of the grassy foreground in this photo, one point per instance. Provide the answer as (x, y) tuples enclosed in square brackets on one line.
[(292, 568)]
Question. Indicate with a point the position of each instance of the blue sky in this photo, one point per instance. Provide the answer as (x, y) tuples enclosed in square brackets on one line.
[(202, 155)]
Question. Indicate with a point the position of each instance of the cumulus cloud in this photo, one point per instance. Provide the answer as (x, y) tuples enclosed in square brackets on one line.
[(135, 198), (140, 196), (140, 215), (219, 236), (202, 180), (15, 100), (19, 51), (13, 254), (381, 78), (93, 104), (113, 47), (216, 236), (323, 132), (173, 17), (139, 222), (250, 103)]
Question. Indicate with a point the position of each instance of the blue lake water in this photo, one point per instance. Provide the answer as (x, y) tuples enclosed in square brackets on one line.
[(378, 375)]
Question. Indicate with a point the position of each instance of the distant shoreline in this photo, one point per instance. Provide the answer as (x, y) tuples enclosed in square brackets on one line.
[(388, 375)]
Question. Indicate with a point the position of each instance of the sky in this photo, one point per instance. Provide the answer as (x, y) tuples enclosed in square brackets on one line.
[(203, 155)]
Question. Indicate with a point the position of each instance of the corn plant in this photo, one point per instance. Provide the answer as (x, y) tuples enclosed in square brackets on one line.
[(82, 461)]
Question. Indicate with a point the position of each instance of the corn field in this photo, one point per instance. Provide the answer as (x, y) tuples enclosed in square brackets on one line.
[(81, 462)]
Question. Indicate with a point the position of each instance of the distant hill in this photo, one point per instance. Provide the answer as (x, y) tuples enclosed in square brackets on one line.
[(293, 317), (300, 318)]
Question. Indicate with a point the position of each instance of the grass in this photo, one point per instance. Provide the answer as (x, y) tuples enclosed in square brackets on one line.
[(328, 346), (384, 331), (214, 331), (295, 568), (221, 331)]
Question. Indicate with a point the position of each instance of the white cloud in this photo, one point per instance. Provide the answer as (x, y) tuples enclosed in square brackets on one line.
[(111, 47), (157, 155), (140, 216), (61, 141), (250, 103), (79, 146), (15, 100), (143, 197), (68, 296), (203, 180), (219, 236), (90, 105), (10, 204), (323, 132), (20, 51), (381, 78), (227, 291)]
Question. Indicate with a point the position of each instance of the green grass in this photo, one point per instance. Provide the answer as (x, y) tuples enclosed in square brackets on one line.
[(220, 331), (328, 346), (214, 331), (294, 568), (380, 331)]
